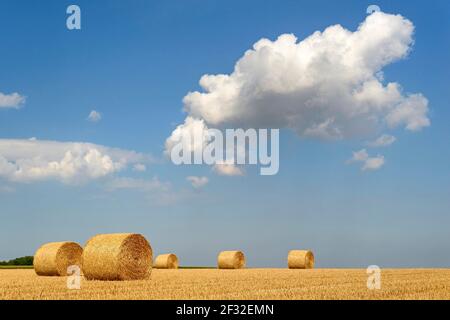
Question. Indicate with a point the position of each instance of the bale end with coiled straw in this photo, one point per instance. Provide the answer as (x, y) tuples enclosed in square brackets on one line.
[(231, 260), (53, 259), (120, 256), (300, 259)]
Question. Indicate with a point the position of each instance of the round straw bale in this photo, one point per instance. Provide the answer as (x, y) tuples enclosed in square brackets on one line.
[(120, 256), (231, 260), (53, 259), (166, 261), (300, 259)]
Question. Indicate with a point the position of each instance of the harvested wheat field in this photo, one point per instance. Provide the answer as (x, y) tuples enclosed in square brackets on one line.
[(236, 284)]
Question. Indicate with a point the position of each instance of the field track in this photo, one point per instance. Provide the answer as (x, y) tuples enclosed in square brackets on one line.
[(237, 284)]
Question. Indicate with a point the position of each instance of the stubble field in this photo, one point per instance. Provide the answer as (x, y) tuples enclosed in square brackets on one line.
[(237, 284)]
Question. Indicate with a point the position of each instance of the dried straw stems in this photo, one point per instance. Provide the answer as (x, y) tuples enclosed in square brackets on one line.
[(53, 259), (166, 261), (121, 256), (300, 259), (231, 260)]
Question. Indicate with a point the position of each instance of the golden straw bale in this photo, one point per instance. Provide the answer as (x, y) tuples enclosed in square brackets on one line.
[(231, 260), (120, 256), (53, 259), (166, 261), (300, 259)]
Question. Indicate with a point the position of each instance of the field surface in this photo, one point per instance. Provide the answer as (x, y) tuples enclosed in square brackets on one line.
[(237, 284)]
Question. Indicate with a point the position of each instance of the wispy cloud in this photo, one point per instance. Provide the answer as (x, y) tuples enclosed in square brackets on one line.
[(94, 116), (146, 185), (224, 169), (198, 182), (368, 163), (139, 167), (156, 191), (382, 141)]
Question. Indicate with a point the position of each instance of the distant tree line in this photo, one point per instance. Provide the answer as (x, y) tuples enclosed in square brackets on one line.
[(22, 261)]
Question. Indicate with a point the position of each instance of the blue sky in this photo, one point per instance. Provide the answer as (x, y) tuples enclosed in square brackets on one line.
[(134, 61)]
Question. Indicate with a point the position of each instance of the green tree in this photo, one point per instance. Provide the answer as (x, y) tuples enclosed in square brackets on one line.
[(22, 261)]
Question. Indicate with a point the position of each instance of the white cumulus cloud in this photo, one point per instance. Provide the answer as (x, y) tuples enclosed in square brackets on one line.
[(368, 163), (190, 128), (327, 86), (69, 162), (197, 182), (13, 100)]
